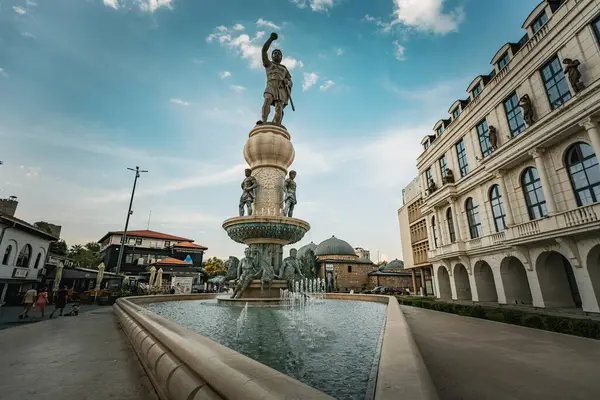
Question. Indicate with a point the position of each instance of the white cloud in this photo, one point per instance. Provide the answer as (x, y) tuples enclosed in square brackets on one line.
[(237, 88), (197, 61), (249, 48), (179, 102), (398, 51), (315, 5), (224, 74), (3, 73), (310, 79), (19, 10), (238, 27), (143, 5), (30, 3), (326, 86), (267, 24), (339, 51), (382, 26), (28, 34), (427, 16)]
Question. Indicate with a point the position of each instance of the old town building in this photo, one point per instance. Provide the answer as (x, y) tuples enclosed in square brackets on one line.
[(510, 180)]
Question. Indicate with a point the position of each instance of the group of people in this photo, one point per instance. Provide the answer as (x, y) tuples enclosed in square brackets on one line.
[(38, 300)]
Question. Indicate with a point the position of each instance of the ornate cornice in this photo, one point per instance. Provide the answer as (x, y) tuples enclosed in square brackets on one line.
[(278, 230)]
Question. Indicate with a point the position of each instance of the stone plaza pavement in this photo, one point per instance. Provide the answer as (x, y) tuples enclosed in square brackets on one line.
[(85, 357), (475, 359)]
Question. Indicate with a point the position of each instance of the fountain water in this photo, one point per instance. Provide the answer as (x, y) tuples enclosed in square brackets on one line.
[(241, 321)]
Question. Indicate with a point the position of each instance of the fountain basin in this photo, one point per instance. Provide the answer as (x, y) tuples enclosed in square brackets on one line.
[(266, 229)]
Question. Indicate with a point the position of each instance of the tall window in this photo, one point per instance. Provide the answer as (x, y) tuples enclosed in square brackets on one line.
[(475, 228), (435, 232), (497, 208), (450, 225), (462, 158), (539, 22), (555, 82), (503, 61), (596, 26), (584, 171), (456, 112), (443, 166), (428, 176), (484, 138), (24, 257), (349, 268), (476, 91), (7, 252), (37, 261), (534, 195), (440, 130), (516, 123)]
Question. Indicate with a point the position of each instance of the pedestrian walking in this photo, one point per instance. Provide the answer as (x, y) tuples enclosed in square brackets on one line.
[(42, 301), (28, 301), (61, 301)]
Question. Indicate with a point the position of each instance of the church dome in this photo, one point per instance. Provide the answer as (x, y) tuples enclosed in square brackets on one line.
[(304, 249), (334, 247), (394, 264)]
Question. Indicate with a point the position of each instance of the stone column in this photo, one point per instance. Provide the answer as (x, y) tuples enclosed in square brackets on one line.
[(546, 188), (440, 228), (591, 127), (456, 219), (500, 174)]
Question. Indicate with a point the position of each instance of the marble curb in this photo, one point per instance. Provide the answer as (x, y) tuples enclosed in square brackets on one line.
[(402, 373), (183, 365)]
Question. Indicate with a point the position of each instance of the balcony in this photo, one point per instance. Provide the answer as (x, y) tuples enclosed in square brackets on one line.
[(439, 197), (449, 250)]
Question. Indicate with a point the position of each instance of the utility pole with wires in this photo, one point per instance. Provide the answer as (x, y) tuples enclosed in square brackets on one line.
[(149, 217), (137, 171)]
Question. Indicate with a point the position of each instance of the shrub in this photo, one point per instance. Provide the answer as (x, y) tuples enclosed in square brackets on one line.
[(585, 328), (478, 312), (533, 321), (495, 316), (557, 324), (512, 317)]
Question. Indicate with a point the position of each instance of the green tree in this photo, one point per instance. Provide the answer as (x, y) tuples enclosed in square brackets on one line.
[(214, 266), (87, 256), (59, 248)]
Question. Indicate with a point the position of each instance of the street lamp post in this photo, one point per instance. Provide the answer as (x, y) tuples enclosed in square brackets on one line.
[(137, 171)]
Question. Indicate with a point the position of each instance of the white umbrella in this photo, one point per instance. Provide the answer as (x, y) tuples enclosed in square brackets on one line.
[(159, 278), (58, 276), (100, 275), (152, 274)]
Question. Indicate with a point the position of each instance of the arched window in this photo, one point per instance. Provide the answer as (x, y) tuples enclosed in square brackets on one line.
[(497, 208), (450, 225), (435, 232), (7, 252), (37, 261), (534, 195), (475, 228), (582, 164), (24, 257)]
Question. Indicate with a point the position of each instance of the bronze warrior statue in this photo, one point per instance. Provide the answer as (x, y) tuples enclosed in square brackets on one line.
[(493, 137), (279, 83), (527, 107), (289, 195), (249, 185)]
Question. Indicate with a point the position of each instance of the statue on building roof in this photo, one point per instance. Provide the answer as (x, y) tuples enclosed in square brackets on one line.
[(572, 71), (449, 178), (493, 136), (279, 83)]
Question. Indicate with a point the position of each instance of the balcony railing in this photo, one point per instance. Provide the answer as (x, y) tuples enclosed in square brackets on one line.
[(581, 215), (498, 238), (528, 228)]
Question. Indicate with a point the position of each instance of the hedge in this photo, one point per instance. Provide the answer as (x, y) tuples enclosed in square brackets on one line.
[(571, 326)]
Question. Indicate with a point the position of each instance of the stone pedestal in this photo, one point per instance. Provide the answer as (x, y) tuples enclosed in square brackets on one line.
[(269, 153)]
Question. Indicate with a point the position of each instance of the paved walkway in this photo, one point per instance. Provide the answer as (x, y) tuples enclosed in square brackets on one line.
[(475, 359), (9, 316), (85, 357)]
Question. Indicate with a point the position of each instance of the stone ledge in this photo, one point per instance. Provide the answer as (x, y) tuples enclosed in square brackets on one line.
[(183, 365)]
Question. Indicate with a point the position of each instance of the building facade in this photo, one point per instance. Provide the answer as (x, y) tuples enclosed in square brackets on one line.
[(510, 182), (414, 239), (145, 247), (23, 252), (362, 253)]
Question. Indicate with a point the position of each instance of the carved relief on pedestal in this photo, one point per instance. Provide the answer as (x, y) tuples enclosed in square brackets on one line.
[(270, 184)]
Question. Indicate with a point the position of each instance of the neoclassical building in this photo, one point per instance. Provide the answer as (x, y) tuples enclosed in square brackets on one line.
[(510, 179)]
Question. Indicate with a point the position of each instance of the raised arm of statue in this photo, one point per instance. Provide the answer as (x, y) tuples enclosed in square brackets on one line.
[(265, 49)]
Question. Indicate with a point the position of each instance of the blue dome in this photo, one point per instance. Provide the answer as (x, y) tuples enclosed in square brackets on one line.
[(394, 264), (304, 249), (334, 247)]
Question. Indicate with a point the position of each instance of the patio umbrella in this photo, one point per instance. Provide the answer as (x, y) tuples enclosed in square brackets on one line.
[(152, 274), (58, 277), (159, 277)]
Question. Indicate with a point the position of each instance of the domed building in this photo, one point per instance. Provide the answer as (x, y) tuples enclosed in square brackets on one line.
[(342, 269), (392, 275), (304, 249)]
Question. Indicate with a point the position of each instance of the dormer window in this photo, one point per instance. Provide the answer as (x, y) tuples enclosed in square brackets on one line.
[(503, 61), (476, 91), (426, 145), (440, 130), (539, 22), (456, 113)]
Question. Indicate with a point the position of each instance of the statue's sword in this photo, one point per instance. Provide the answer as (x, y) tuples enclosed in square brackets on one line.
[(287, 90)]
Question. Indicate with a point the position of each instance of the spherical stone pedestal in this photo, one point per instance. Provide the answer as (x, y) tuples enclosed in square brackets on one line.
[(269, 153)]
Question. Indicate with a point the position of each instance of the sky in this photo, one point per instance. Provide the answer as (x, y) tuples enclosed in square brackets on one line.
[(89, 88)]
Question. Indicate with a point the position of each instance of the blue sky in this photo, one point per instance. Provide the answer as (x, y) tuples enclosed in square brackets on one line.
[(91, 87)]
